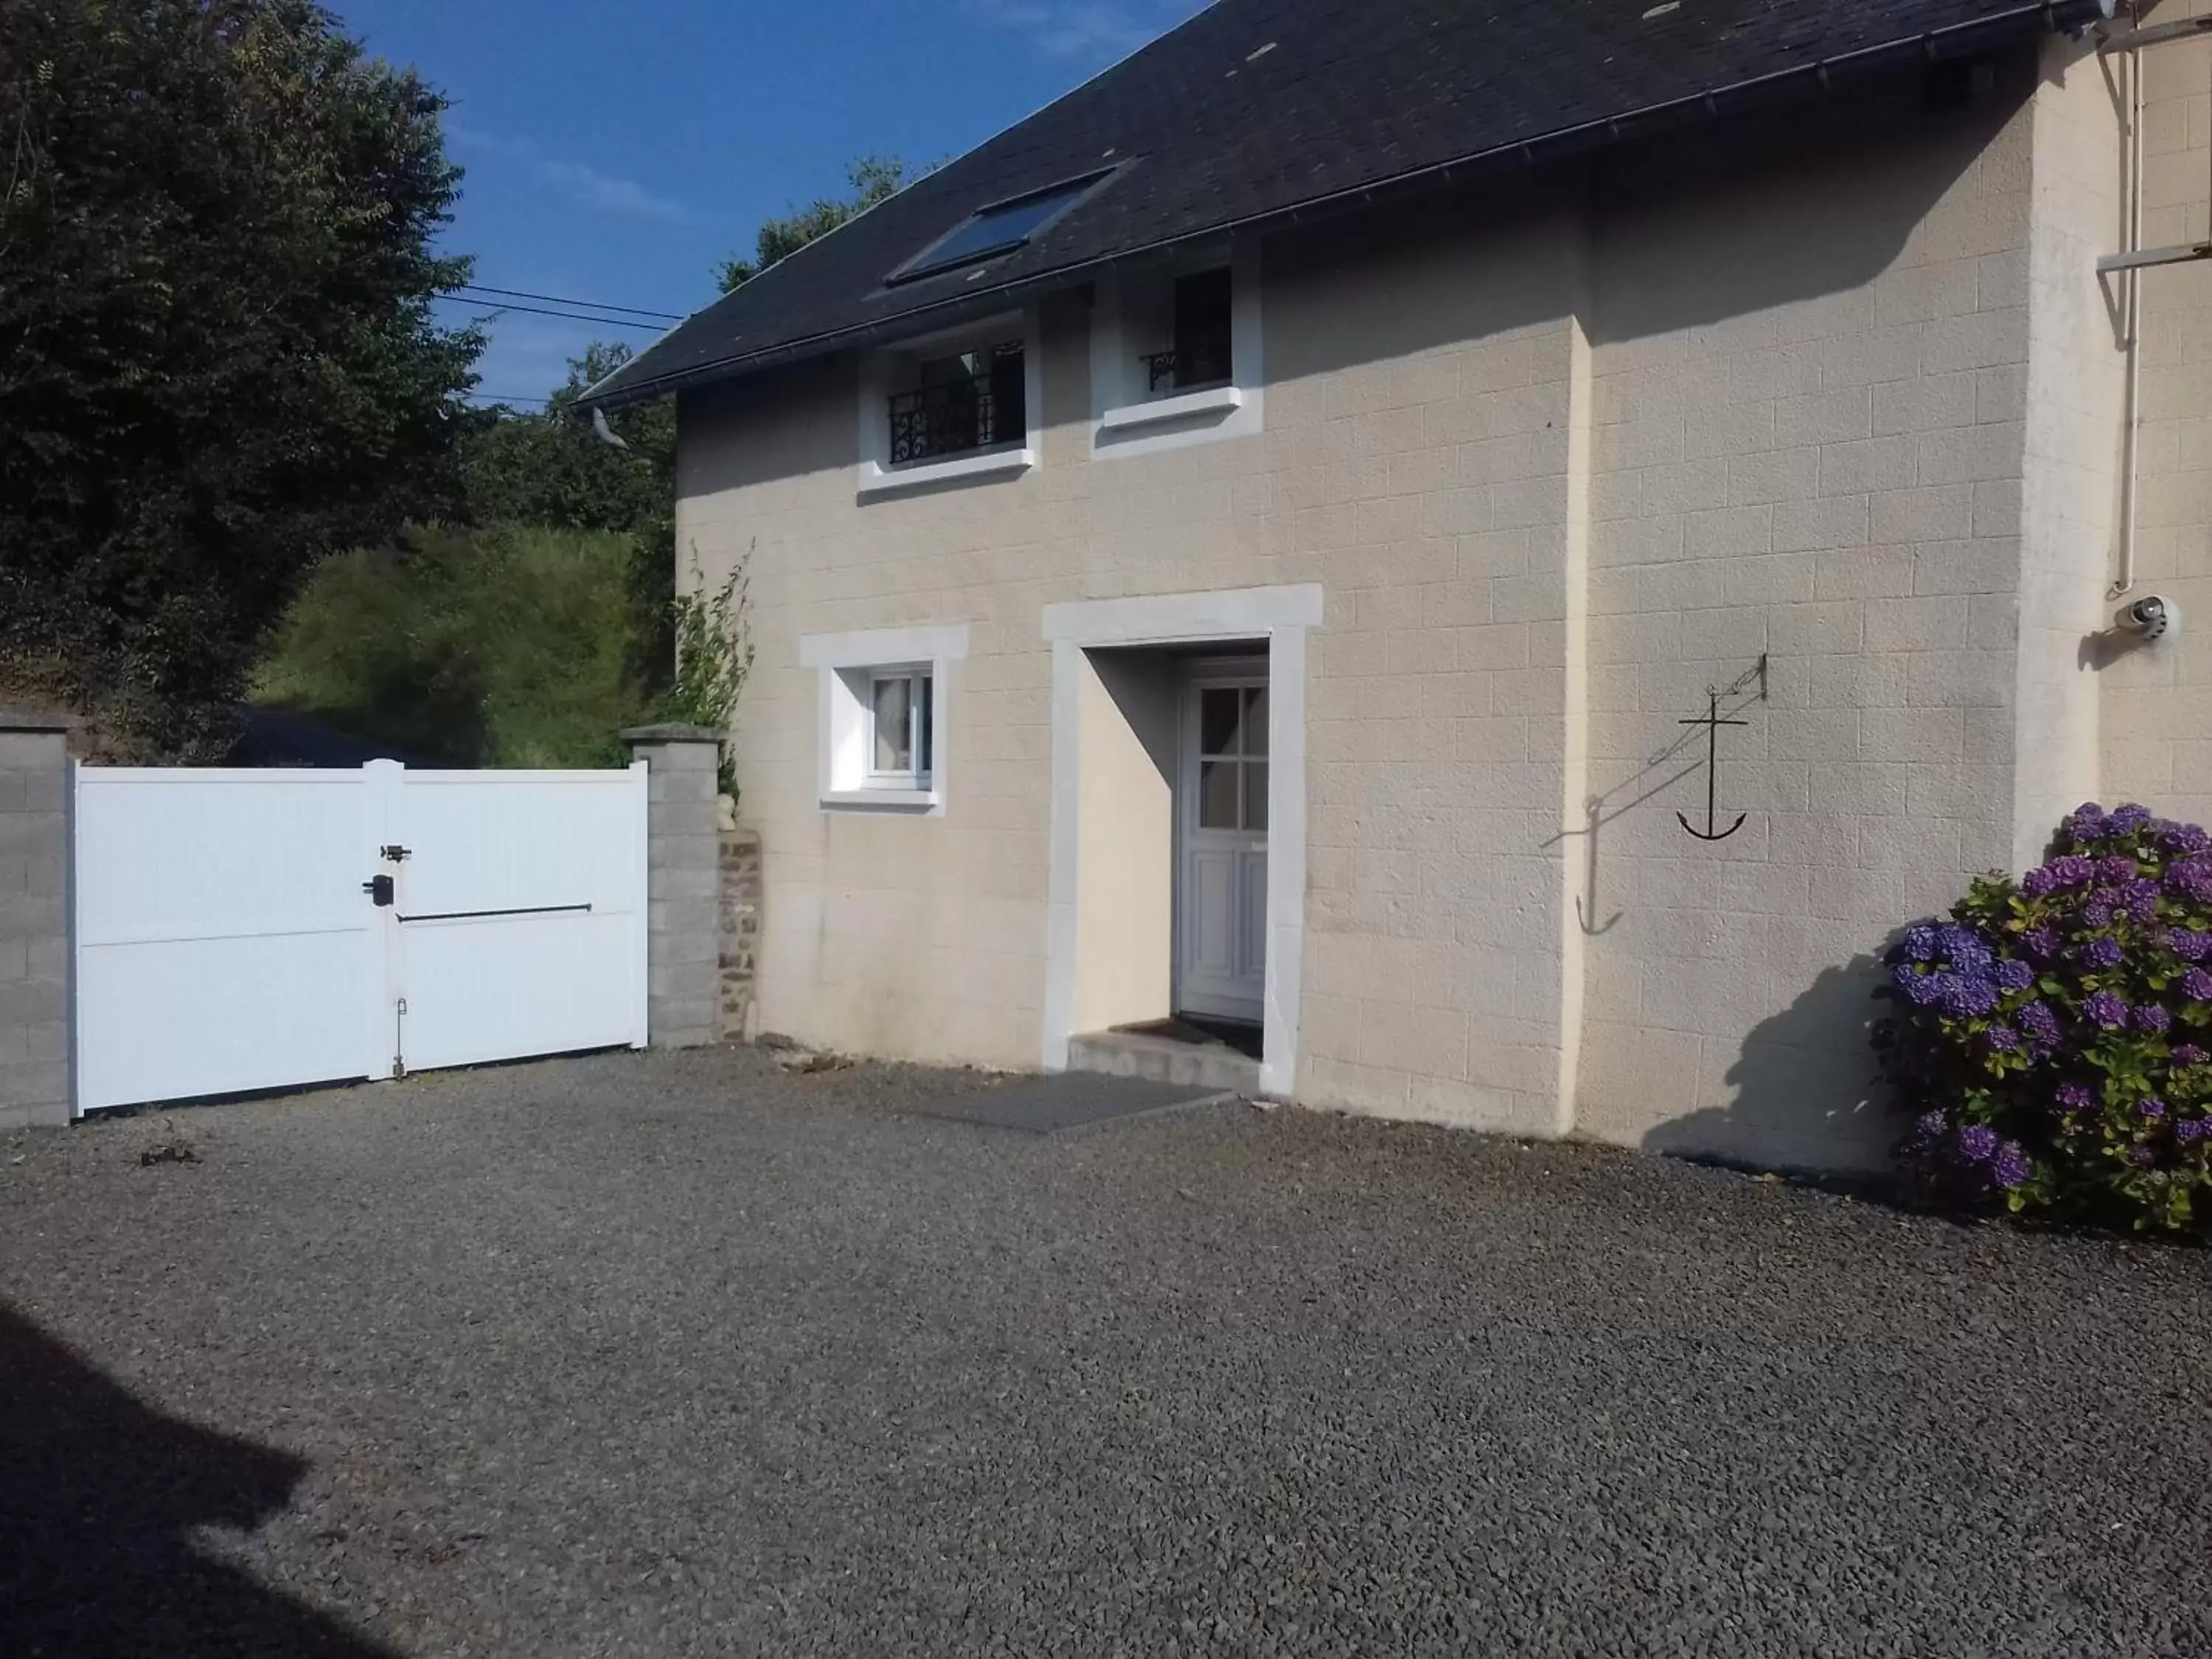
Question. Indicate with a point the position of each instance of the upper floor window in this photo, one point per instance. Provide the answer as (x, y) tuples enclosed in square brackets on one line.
[(1176, 353), (951, 407), (970, 400), (1199, 325)]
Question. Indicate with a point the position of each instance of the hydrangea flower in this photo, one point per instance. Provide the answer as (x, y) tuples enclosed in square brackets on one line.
[(2191, 877), (2011, 1167), (2192, 1128), (2190, 946), (1965, 949), (2103, 953), (2152, 1106), (2087, 822), (1919, 942), (2002, 1038), (2189, 1054), (2143, 1157), (2097, 914), (2109, 1008), (2152, 1016), (2196, 985), (1970, 999), (2070, 871), (1929, 1127), (2075, 1098), (2185, 838), (2039, 1022), (2126, 820), (2118, 869), (2043, 940), (2014, 975), (1977, 1143), (1921, 988)]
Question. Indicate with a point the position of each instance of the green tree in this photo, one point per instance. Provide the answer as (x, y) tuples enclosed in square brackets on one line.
[(217, 356), (872, 179), (552, 468)]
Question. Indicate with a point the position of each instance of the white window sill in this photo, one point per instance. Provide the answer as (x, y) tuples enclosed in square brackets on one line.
[(1214, 400), (895, 800), (877, 479)]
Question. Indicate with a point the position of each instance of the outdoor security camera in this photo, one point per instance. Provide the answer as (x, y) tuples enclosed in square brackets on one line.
[(2150, 617)]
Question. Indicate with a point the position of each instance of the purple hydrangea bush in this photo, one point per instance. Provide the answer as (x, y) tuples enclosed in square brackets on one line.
[(2052, 1039)]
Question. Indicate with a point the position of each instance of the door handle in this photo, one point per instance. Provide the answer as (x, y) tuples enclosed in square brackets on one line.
[(379, 889)]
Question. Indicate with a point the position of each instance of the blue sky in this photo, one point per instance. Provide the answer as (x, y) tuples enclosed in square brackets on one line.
[(616, 151)]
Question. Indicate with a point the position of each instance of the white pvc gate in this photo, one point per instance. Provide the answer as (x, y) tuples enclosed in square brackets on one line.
[(243, 930)]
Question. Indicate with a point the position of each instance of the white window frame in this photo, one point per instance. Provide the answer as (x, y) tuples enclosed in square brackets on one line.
[(881, 370), (1126, 418), (849, 666), (920, 735)]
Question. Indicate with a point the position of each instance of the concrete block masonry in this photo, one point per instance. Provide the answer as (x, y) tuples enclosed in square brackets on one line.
[(35, 954), (683, 992)]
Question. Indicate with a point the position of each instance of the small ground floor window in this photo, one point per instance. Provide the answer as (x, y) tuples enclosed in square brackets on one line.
[(899, 729)]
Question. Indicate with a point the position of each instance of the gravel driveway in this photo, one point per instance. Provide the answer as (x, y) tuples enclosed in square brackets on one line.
[(674, 1354)]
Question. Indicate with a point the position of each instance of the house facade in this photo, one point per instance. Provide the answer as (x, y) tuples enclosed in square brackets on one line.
[(1516, 640)]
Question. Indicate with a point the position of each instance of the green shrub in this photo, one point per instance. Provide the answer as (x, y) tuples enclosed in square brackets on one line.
[(713, 656), (507, 647), (2054, 1037)]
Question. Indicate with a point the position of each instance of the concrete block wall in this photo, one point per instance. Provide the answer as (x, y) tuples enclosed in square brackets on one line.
[(682, 884), (1810, 391), (34, 944)]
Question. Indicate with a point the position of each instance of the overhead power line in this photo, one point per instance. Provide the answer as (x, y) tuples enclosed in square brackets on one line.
[(565, 299), (547, 311)]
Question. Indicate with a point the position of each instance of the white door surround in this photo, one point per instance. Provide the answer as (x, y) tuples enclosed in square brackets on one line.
[(1280, 617), (1221, 836)]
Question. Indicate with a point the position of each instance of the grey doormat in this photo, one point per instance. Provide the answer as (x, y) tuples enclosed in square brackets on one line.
[(1066, 1100)]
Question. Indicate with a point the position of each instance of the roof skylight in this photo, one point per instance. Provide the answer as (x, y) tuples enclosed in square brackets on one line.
[(998, 228)]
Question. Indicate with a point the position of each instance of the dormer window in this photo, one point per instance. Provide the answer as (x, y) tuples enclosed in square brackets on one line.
[(1200, 354)]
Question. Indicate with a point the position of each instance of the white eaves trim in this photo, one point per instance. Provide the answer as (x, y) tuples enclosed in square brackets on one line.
[(1213, 401), (877, 479)]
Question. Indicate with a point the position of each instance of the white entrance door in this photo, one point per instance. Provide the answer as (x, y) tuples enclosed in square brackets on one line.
[(1222, 823)]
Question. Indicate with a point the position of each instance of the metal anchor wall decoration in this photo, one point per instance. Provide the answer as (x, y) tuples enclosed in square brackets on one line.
[(1712, 722)]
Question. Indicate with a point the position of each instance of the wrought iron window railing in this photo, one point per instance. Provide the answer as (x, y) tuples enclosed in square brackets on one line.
[(974, 401), (1201, 362)]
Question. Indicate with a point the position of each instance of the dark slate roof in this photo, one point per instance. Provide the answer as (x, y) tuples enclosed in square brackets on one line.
[(1257, 107)]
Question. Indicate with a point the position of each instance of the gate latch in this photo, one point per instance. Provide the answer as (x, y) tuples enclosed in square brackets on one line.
[(379, 889), (392, 855)]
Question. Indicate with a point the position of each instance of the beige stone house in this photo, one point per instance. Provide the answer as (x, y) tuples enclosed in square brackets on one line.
[(1243, 544)]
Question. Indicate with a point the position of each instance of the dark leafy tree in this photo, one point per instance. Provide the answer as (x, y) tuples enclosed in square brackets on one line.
[(217, 356)]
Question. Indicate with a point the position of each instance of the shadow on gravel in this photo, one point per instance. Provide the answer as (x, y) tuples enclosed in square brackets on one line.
[(97, 1495)]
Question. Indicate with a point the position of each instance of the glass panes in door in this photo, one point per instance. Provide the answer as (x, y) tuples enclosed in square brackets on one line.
[(1232, 751)]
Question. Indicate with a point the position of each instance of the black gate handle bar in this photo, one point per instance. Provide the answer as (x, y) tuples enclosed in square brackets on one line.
[(525, 910)]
